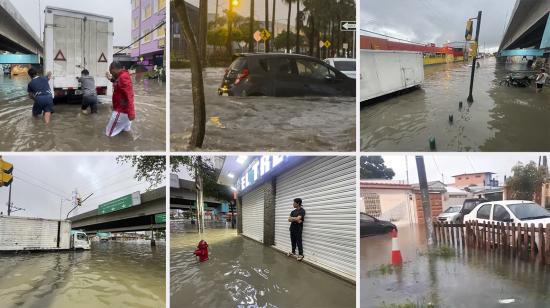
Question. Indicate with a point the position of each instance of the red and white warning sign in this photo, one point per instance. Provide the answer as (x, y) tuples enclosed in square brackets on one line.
[(102, 58), (59, 56)]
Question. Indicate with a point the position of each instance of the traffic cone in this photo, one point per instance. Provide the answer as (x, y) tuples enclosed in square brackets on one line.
[(396, 258)]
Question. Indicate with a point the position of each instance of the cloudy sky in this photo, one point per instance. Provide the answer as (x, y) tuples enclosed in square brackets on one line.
[(436, 21), (120, 10), (454, 164), (42, 181)]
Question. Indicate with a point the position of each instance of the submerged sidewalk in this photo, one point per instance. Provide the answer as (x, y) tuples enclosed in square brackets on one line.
[(242, 272)]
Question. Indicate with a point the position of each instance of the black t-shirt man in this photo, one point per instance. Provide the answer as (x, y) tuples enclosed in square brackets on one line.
[(296, 220)]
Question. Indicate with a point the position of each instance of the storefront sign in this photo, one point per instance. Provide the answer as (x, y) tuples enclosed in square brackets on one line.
[(259, 168)]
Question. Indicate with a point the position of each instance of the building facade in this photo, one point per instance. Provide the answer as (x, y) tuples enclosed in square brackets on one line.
[(266, 187), (475, 179), (149, 32)]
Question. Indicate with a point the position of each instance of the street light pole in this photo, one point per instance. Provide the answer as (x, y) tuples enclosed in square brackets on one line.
[(230, 29), (470, 97), (425, 196)]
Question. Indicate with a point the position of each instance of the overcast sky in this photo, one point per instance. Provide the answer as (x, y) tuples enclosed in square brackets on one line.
[(41, 181), (436, 21), (120, 10), (454, 164)]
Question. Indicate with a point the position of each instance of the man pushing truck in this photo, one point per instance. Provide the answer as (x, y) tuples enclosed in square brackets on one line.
[(123, 100)]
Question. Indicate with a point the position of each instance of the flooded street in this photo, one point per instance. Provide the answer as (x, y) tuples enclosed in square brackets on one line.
[(261, 123), (70, 130), (111, 274), (500, 118), (244, 273), (474, 278)]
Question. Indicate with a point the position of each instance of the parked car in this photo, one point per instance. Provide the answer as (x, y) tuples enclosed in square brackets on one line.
[(451, 214), (468, 205), (510, 211), (276, 74), (344, 65), (372, 226)]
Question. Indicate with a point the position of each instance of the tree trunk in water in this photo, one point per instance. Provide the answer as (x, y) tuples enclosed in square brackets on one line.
[(199, 108), (203, 29), (298, 26), (273, 24), (266, 42), (288, 27), (251, 40), (312, 42)]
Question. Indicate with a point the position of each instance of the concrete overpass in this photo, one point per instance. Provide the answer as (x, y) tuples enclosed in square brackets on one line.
[(183, 196), (529, 27), (135, 218), (16, 36)]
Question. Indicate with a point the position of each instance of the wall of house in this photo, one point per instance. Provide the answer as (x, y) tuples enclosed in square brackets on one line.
[(395, 205), (478, 179), (436, 203)]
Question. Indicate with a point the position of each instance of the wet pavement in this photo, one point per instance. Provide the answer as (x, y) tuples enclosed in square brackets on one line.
[(244, 273), (500, 119), (111, 274), (70, 130), (261, 123), (472, 278)]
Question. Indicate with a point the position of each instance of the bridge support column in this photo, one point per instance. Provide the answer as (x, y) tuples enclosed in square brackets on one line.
[(153, 243)]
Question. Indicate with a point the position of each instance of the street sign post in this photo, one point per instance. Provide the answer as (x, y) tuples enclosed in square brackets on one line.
[(349, 25)]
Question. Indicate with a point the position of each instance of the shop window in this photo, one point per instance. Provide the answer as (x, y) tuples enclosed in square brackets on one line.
[(147, 38)]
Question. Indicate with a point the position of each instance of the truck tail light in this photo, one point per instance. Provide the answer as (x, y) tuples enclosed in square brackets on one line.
[(101, 90)]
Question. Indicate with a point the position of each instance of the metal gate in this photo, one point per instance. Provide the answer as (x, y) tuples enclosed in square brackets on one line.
[(327, 188), (253, 214)]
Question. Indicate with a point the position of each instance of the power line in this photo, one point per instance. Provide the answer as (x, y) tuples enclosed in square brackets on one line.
[(392, 37), (40, 181), (139, 39), (103, 195), (39, 186)]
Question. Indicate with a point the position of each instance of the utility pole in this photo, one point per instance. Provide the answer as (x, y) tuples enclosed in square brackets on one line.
[(470, 97), (9, 200), (426, 208), (251, 28), (266, 42)]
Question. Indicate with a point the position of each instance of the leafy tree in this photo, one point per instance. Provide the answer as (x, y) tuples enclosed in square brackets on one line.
[(280, 40), (526, 180), (149, 168), (373, 167)]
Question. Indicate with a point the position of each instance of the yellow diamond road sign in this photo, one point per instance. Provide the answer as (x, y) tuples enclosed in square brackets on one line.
[(327, 44), (265, 35)]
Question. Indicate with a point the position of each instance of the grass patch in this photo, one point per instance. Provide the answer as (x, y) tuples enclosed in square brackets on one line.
[(386, 269), (441, 252)]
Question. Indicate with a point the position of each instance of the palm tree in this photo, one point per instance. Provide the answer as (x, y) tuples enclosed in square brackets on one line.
[(298, 26), (273, 20), (251, 34), (266, 42), (288, 24)]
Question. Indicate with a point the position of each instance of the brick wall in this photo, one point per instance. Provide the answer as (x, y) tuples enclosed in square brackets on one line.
[(436, 203)]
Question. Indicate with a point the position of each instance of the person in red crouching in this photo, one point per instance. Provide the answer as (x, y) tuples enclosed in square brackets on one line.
[(123, 100)]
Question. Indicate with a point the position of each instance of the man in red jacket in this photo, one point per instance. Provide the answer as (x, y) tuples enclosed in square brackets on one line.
[(123, 100)]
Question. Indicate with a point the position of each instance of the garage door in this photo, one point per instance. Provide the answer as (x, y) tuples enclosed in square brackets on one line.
[(327, 188), (253, 214)]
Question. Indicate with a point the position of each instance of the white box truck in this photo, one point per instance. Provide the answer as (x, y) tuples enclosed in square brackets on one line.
[(387, 71), (37, 234), (74, 41)]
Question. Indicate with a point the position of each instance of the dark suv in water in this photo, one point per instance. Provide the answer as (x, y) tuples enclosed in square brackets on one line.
[(276, 74)]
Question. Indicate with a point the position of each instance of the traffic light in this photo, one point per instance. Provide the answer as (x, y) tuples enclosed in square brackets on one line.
[(235, 3), (5, 173), (469, 30), (78, 201)]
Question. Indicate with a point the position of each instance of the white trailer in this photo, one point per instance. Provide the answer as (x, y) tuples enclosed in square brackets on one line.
[(37, 234), (74, 41), (387, 71)]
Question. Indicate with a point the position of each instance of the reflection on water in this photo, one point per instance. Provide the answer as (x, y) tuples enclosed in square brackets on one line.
[(261, 123), (244, 273), (474, 278), (111, 274), (500, 119), (72, 131)]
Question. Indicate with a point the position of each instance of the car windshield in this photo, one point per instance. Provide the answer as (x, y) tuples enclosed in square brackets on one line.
[(453, 209), (366, 217), (525, 211), (238, 64), (344, 66), (469, 205)]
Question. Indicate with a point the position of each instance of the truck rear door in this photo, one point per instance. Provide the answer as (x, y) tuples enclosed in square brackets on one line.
[(67, 50)]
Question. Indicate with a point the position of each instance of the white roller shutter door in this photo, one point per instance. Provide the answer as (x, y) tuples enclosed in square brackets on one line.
[(253, 214), (327, 188)]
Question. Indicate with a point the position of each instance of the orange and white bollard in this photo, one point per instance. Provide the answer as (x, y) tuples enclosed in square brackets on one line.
[(396, 258)]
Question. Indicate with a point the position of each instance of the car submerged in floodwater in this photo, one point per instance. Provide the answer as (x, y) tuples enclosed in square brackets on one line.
[(371, 225), (285, 75)]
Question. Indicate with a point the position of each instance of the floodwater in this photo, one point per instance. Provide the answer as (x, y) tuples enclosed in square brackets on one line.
[(260, 123), (500, 118), (111, 274), (70, 130), (472, 278), (242, 273)]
